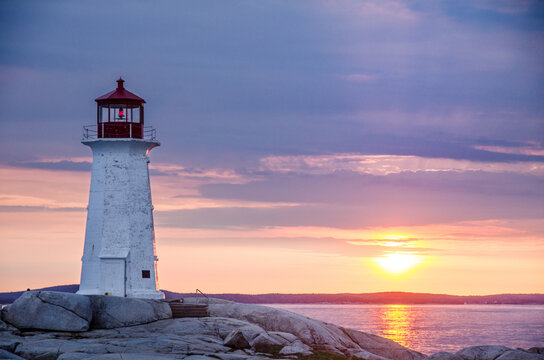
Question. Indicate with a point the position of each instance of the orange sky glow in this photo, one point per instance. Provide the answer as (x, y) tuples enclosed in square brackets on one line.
[(43, 226), (306, 146)]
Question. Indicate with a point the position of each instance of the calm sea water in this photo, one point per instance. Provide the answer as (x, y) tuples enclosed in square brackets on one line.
[(433, 328)]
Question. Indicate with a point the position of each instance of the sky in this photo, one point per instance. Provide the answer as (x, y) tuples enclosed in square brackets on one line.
[(319, 146)]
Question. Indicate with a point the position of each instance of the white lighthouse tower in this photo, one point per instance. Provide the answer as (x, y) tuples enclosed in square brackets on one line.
[(119, 256)]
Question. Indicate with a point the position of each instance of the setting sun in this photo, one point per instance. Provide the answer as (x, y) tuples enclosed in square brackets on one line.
[(393, 237), (397, 263)]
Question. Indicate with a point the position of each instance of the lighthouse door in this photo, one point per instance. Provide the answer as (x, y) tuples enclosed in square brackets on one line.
[(113, 277)]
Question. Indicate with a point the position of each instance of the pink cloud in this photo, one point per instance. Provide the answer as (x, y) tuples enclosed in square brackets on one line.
[(387, 164), (385, 8), (532, 148)]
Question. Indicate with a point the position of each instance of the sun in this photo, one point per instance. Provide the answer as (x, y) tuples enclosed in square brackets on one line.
[(393, 237), (398, 263)]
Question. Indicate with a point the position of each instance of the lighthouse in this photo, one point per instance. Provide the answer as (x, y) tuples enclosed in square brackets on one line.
[(119, 255)]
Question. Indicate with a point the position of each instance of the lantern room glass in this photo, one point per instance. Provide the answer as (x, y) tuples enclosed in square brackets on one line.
[(120, 113)]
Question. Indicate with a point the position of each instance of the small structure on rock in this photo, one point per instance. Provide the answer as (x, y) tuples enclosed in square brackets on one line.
[(119, 256)]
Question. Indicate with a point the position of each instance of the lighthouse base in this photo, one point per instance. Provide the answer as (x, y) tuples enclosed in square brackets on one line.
[(152, 294), (88, 292), (147, 294)]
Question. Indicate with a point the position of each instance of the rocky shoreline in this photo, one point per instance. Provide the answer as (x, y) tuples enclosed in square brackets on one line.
[(48, 325)]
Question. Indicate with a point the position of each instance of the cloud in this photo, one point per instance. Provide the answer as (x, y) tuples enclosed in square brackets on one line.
[(481, 239), (387, 8), (324, 246), (392, 164), (63, 165), (351, 187), (506, 230), (346, 207), (200, 174), (272, 79), (384, 10), (531, 148), (26, 209)]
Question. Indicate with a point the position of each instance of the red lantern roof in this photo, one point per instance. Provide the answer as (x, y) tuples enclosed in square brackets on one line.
[(119, 95)]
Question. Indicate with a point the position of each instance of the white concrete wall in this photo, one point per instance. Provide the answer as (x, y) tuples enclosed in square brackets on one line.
[(120, 221)]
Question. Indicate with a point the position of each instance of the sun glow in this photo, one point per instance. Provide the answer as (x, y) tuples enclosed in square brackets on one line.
[(398, 263), (393, 237)]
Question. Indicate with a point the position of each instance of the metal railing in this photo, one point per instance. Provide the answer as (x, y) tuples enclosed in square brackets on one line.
[(206, 296), (150, 133), (91, 132)]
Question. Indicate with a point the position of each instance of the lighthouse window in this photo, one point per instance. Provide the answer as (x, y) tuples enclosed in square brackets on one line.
[(104, 114), (146, 274)]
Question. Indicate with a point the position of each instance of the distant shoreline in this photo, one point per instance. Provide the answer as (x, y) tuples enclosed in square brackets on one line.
[(380, 298)]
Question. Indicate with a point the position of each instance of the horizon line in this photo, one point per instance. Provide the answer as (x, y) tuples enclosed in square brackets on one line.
[(314, 293)]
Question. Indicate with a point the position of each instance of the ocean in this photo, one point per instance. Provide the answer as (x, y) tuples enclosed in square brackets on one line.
[(433, 328)]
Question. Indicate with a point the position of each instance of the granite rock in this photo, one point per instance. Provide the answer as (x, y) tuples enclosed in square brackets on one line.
[(6, 355), (519, 355), (5, 327), (50, 310), (4, 311), (484, 352), (112, 311), (296, 348), (233, 332), (9, 341), (236, 340), (444, 356), (264, 343), (124, 356)]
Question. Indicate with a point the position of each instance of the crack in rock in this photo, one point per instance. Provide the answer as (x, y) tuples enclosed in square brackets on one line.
[(62, 307)]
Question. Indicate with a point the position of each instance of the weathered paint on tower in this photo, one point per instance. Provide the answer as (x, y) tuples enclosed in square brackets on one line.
[(119, 256)]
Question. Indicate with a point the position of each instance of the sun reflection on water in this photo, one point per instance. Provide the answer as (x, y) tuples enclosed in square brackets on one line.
[(397, 322)]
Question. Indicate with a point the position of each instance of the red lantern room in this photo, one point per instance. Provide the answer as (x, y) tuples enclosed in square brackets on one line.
[(120, 114)]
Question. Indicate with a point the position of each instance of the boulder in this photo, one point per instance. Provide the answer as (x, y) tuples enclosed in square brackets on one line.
[(381, 346), (6, 355), (4, 326), (236, 356), (264, 343), (520, 355), (251, 331), (296, 348), (50, 310), (3, 311), (282, 337), (45, 349), (484, 352), (113, 311), (442, 355), (363, 354), (124, 356), (236, 340), (9, 341), (75, 356), (8, 328)]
